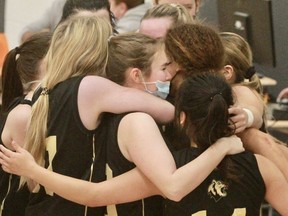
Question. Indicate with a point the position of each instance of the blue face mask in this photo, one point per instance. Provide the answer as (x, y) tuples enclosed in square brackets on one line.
[(163, 88)]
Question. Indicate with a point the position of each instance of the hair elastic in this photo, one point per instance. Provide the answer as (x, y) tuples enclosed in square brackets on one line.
[(250, 72), (211, 98), (45, 91), (17, 50)]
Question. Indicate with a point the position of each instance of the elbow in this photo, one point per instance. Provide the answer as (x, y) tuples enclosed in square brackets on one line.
[(91, 203), (90, 199), (174, 197), (174, 194)]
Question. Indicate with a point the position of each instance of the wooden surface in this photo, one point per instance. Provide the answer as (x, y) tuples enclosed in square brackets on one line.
[(280, 125), (267, 81), (277, 124)]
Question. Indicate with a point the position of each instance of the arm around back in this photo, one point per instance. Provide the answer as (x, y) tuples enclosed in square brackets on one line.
[(97, 95), (141, 142)]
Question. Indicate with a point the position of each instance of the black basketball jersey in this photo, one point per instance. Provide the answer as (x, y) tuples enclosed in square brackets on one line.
[(216, 197), (70, 150), (12, 201), (118, 164)]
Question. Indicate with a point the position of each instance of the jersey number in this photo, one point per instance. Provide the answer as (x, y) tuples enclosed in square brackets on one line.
[(237, 212)]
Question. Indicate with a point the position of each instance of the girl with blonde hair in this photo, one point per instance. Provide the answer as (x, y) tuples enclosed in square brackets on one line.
[(68, 107)]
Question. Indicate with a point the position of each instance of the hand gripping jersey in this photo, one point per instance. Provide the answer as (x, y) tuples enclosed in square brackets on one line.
[(215, 197)]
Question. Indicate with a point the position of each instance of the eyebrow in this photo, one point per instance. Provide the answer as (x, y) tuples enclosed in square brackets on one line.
[(188, 5), (167, 63)]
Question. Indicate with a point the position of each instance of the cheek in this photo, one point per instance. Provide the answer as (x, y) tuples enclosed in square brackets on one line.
[(159, 75), (173, 68), (175, 84)]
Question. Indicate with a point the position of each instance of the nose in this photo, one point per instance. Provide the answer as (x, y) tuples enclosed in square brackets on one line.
[(169, 76)]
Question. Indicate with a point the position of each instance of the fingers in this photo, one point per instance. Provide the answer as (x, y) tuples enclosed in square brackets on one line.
[(6, 169), (239, 130), (4, 161), (233, 111), (6, 151), (17, 147)]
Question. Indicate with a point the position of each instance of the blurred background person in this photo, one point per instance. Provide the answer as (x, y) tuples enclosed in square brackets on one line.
[(191, 5), (128, 13)]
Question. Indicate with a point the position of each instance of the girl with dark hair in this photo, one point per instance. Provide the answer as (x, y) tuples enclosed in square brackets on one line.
[(22, 68), (240, 183), (195, 48), (22, 73), (71, 7)]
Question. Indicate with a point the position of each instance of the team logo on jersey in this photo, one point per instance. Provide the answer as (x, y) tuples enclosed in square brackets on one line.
[(217, 190)]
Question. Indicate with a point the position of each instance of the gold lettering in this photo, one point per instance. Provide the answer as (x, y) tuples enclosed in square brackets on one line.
[(237, 212), (111, 209), (51, 147), (200, 213)]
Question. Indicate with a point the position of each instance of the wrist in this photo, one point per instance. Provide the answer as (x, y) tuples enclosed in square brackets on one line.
[(221, 148), (33, 170), (250, 117)]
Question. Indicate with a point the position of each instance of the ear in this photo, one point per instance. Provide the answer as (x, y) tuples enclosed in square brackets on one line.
[(121, 9), (136, 75), (182, 118), (228, 73)]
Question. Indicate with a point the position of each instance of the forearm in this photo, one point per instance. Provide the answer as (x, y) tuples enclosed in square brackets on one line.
[(161, 110), (276, 185), (263, 144), (133, 184), (119, 99)]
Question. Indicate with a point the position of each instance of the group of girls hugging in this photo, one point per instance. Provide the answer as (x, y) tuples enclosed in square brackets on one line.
[(137, 123)]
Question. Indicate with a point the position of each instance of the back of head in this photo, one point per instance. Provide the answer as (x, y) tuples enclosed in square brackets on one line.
[(205, 99), (176, 12), (79, 46), (72, 6), (238, 54), (130, 50), (21, 67), (195, 47)]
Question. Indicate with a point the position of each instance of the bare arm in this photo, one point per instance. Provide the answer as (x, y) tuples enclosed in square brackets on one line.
[(265, 145), (16, 125), (141, 142), (97, 95), (276, 185), (111, 192), (246, 98), (83, 192)]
